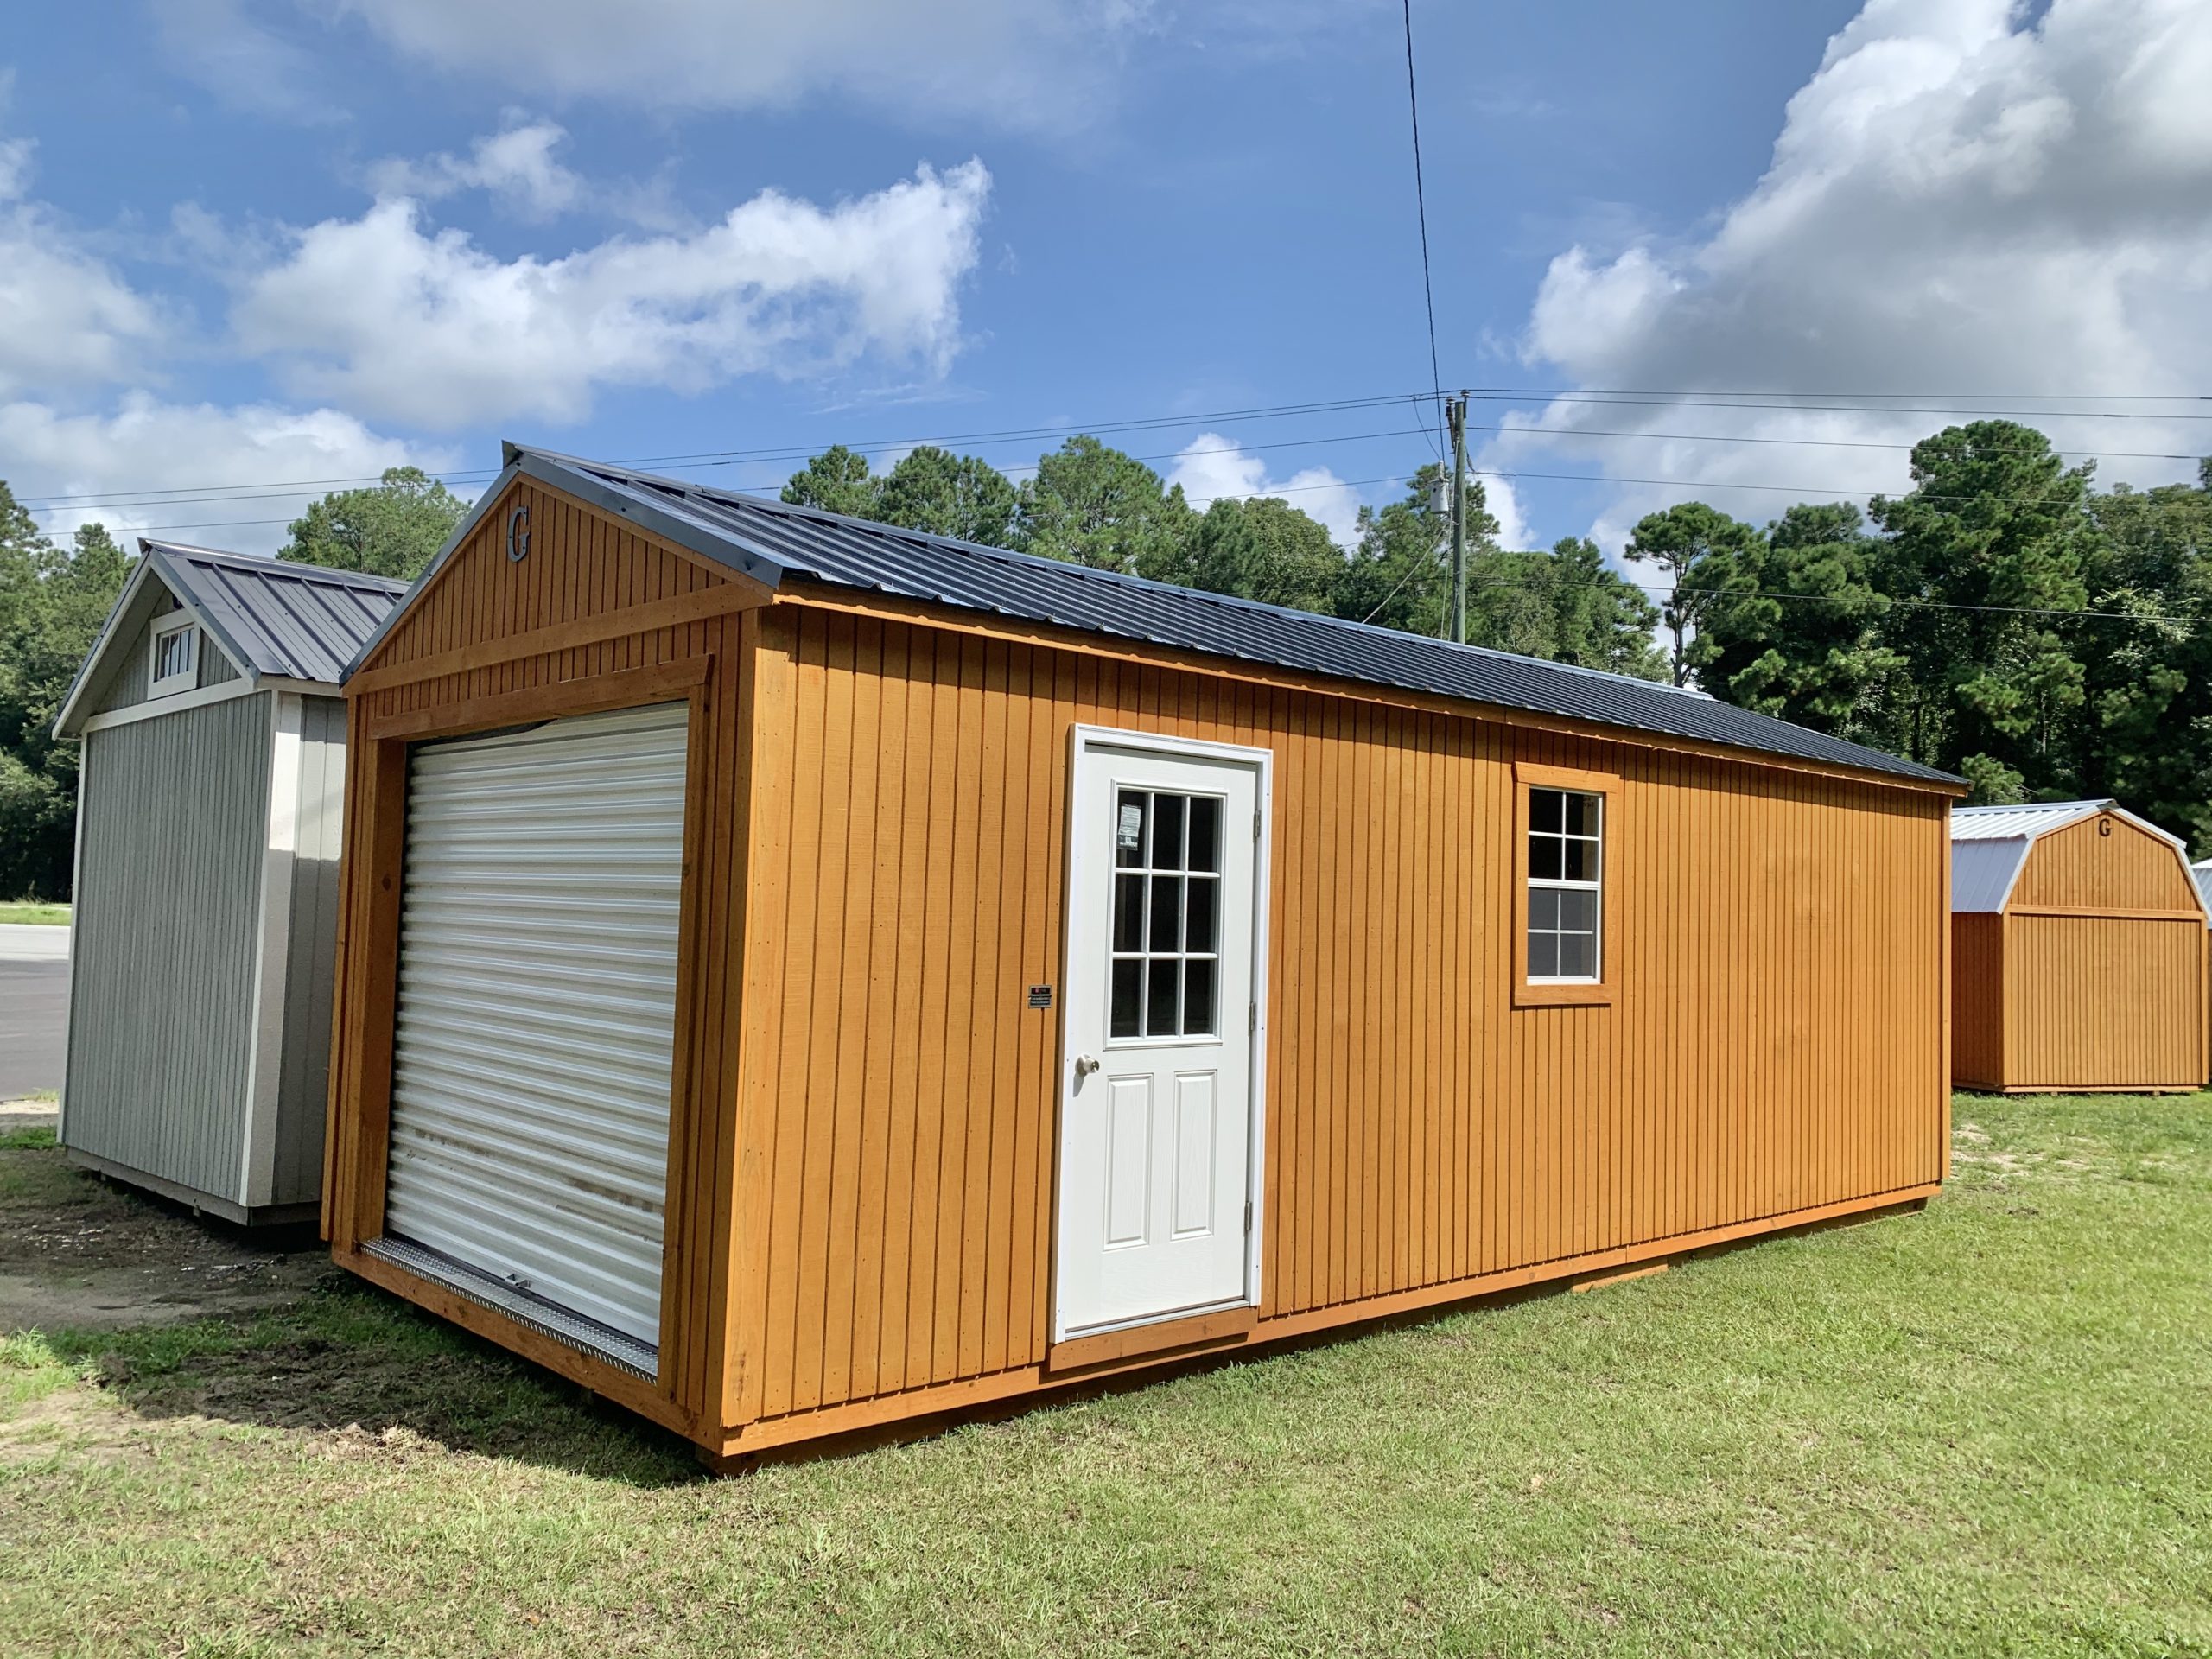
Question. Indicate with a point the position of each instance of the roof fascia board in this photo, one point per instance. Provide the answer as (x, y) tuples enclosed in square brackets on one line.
[(2027, 851), (65, 721), (434, 569), (573, 478)]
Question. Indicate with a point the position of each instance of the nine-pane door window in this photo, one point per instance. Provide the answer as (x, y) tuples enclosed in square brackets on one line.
[(1166, 941), (1565, 880)]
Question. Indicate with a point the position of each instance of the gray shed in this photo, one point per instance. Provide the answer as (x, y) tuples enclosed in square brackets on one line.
[(209, 799)]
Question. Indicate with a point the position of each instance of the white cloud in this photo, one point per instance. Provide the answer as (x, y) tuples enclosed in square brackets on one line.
[(245, 64), (1503, 502), (1028, 63), (1211, 467), (76, 453), (515, 165), (144, 447), (1956, 204), (67, 318), (15, 168), (397, 320)]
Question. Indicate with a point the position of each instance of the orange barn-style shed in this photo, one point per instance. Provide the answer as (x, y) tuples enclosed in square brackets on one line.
[(2078, 950), (799, 975)]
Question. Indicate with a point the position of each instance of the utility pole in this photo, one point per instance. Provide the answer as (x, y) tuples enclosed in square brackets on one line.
[(1456, 411)]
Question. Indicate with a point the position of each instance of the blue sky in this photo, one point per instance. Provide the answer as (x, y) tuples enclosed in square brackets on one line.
[(258, 242)]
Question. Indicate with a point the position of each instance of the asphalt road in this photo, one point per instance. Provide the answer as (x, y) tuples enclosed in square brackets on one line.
[(33, 1008)]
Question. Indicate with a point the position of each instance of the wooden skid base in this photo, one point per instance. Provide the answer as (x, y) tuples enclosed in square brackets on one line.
[(925, 1411), (1139, 1356)]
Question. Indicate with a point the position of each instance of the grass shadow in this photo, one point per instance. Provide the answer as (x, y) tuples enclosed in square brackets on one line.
[(346, 1359)]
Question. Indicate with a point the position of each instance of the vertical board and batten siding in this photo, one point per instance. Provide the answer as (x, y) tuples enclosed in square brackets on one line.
[(1978, 999), (2077, 868), (1776, 1042), (583, 571), (2094, 975), (311, 957), (176, 813), (2105, 1002)]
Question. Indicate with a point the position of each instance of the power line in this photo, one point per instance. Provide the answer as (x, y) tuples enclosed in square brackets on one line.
[(1804, 491), (1421, 206), (183, 494), (1639, 400), (152, 498), (1887, 396)]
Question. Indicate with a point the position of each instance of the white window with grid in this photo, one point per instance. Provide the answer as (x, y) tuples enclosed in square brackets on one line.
[(175, 665), (1566, 886), (1165, 942)]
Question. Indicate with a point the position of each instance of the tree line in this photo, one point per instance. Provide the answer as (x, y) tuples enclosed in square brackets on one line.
[(1091, 504), (2003, 617)]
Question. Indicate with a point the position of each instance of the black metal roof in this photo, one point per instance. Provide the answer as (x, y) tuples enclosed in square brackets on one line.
[(298, 622), (771, 541)]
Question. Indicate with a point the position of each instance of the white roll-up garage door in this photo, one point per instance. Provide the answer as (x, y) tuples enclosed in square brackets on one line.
[(537, 1015)]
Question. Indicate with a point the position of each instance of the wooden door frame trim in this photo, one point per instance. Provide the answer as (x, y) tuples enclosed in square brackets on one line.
[(385, 742), (590, 694), (737, 594)]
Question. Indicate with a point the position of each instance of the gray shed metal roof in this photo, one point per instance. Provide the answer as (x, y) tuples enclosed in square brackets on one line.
[(771, 541), (276, 620), (298, 622)]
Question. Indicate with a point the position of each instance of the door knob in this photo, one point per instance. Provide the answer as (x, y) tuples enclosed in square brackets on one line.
[(1085, 1066)]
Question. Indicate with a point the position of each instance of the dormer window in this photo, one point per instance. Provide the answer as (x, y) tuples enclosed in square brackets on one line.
[(176, 655)]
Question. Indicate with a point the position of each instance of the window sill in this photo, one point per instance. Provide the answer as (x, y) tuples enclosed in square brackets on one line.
[(1526, 996)]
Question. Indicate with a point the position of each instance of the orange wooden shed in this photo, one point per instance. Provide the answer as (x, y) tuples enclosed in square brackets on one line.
[(799, 975), (2078, 952)]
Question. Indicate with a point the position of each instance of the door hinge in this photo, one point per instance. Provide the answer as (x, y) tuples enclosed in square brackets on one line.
[(1252, 1018), (1247, 1215), (1256, 823)]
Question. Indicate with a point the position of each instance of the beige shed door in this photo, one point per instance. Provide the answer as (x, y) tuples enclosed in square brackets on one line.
[(537, 1012)]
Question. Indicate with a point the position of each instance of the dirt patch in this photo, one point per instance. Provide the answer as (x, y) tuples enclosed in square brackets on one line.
[(79, 1253), (29, 1115), (73, 1424)]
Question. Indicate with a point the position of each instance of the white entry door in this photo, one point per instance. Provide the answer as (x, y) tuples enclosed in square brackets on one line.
[(1159, 1116)]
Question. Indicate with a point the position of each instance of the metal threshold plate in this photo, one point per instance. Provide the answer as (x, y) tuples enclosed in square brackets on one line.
[(548, 1319)]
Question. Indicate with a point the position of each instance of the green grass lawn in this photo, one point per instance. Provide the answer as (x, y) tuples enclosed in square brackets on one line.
[(26, 910), (1986, 1428)]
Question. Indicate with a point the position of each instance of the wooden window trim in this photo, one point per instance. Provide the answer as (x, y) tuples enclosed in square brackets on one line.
[(1528, 776)]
